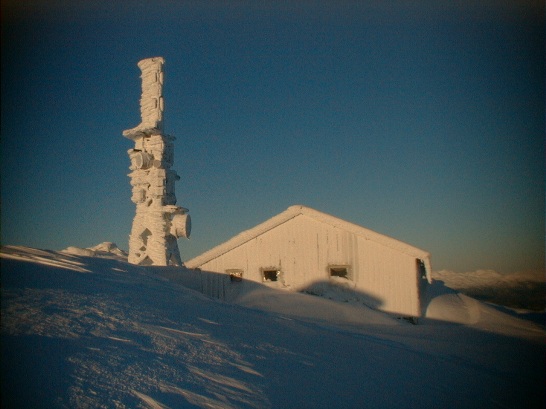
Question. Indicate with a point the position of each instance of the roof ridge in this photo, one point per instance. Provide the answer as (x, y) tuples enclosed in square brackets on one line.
[(363, 231), (290, 213), (244, 236)]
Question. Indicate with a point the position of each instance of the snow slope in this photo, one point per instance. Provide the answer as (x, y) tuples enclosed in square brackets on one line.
[(83, 332), (522, 290)]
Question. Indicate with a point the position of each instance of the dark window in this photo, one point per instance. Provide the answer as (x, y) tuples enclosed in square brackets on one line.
[(339, 271), (235, 274), (271, 275)]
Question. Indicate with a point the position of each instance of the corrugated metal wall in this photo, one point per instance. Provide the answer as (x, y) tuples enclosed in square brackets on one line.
[(303, 248)]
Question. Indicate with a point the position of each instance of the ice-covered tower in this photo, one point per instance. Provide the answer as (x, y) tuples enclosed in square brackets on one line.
[(158, 221)]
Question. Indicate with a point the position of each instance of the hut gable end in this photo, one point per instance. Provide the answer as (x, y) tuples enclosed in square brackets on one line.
[(293, 212), (301, 247)]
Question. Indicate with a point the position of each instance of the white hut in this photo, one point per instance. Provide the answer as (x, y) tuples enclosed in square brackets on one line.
[(301, 247)]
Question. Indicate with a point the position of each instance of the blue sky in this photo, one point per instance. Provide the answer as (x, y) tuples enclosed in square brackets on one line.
[(423, 121)]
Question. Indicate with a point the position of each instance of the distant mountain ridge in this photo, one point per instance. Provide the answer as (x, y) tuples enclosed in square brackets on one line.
[(104, 249)]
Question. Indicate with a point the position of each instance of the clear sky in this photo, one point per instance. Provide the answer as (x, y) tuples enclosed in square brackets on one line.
[(423, 120)]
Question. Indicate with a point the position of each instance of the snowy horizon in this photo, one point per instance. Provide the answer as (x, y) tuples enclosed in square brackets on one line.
[(524, 289), (521, 288)]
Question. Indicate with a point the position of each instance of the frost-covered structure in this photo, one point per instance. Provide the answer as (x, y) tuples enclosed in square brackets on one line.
[(158, 221), (307, 250)]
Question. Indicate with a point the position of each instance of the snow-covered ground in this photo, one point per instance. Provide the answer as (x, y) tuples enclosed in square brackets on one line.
[(523, 290), (86, 329)]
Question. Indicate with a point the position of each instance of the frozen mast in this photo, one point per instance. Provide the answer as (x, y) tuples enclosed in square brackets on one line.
[(158, 221)]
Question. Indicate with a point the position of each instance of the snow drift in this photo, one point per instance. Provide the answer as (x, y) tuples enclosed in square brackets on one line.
[(521, 290), (82, 331)]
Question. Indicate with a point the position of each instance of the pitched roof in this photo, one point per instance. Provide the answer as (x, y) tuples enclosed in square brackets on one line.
[(295, 211)]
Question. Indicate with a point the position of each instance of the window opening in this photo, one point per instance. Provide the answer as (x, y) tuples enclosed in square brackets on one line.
[(271, 275), (235, 274), (339, 271)]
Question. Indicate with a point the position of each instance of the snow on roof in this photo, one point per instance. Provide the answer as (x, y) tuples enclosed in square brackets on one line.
[(295, 211)]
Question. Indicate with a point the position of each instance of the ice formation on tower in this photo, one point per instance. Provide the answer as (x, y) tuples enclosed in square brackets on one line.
[(158, 221)]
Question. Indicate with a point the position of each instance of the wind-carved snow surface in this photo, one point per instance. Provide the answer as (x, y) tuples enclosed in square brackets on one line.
[(158, 221), (81, 332)]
